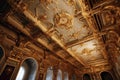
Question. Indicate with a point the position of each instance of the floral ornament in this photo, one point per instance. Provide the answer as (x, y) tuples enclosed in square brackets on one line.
[(63, 20)]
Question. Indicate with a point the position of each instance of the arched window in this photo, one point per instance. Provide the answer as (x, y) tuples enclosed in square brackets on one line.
[(73, 77), (49, 75), (27, 70), (59, 75), (106, 76), (1, 53), (86, 77), (66, 76), (21, 73)]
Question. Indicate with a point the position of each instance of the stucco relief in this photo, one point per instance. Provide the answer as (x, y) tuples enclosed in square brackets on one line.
[(112, 36), (108, 18), (63, 20), (111, 15), (113, 48), (112, 39), (18, 53)]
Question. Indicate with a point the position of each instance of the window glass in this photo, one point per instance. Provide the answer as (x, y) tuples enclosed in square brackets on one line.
[(1, 53), (27, 70), (65, 76), (59, 75), (49, 75), (21, 73), (106, 76), (86, 77)]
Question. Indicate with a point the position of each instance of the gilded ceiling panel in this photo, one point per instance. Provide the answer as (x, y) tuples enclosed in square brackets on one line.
[(63, 16), (89, 51)]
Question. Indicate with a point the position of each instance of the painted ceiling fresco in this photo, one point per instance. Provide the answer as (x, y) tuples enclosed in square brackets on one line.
[(89, 51), (63, 16)]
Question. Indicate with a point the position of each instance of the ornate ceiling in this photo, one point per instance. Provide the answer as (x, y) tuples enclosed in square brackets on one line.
[(62, 16), (70, 29)]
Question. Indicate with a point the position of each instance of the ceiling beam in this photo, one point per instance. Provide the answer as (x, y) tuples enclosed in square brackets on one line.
[(73, 43)]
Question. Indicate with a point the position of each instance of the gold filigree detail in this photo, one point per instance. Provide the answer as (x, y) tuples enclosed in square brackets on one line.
[(63, 20), (113, 18), (71, 2), (108, 18), (86, 51), (75, 35), (112, 36)]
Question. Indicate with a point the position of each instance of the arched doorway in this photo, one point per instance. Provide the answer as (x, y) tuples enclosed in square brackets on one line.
[(86, 77), (27, 70), (1, 53), (106, 76)]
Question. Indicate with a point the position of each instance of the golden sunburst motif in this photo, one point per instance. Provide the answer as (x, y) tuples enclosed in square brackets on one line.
[(63, 20)]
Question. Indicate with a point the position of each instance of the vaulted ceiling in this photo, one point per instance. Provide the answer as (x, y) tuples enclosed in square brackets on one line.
[(70, 29)]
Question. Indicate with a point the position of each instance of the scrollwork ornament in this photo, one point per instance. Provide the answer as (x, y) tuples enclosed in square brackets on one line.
[(115, 12), (112, 36), (63, 20)]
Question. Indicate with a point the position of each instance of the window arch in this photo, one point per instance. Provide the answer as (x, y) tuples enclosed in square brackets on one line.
[(73, 77), (49, 75), (106, 76), (86, 77), (27, 70), (59, 75), (66, 76), (1, 53)]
